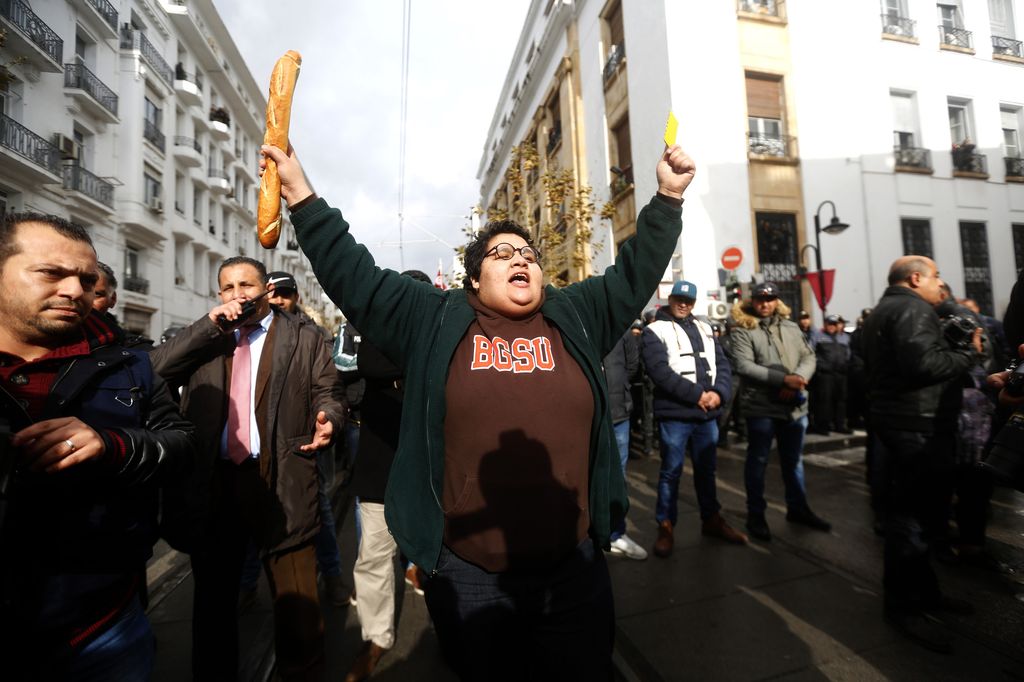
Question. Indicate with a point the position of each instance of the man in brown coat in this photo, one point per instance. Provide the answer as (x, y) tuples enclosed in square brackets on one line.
[(261, 391)]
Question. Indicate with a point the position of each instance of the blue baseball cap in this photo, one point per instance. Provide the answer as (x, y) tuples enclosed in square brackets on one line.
[(684, 289)]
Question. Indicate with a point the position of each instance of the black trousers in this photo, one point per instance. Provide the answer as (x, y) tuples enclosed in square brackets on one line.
[(829, 402), (916, 468)]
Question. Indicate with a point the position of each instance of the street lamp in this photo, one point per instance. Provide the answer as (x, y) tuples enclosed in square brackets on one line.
[(835, 226)]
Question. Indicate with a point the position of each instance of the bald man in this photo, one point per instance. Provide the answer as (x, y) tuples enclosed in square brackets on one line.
[(913, 380)]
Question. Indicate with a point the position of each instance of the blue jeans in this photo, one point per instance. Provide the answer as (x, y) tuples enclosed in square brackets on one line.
[(328, 557), (622, 440), (703, 439), (555, 623), (124, 651), (790, 438)]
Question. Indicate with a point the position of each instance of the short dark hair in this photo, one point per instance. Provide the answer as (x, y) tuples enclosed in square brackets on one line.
[(418, 275), (11, 221), (107, 272), (243, 260), (475, 250)]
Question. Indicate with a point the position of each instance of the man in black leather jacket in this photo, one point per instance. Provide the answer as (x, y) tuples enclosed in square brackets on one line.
[(914, 389)]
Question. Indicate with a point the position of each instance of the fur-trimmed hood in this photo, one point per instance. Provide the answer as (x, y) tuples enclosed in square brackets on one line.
[(744, 316)]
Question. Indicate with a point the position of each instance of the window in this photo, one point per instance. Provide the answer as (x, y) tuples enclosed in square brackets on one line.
[(904, 117), (131, 262), (621, 156), (555, 129), (197, 206), (950, 17), (894, 9), (151, 185), (1011, 131), (777, 253), (1018, 245), (959, 122), (977, 274), (1000, 17), (179, 193), (917, 237), (152, 112), (765, 127), (83, 50)]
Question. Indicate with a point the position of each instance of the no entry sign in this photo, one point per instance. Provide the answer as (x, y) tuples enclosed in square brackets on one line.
[(731, 258)]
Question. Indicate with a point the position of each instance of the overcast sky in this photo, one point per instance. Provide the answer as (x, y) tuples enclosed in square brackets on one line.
[(346, 111)]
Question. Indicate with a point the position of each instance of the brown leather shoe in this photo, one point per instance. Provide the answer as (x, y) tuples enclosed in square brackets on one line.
[(663, 545), (365, 662), (716, 527)]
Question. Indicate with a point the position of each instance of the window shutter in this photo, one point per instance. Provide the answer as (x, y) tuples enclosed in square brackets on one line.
[(764, 98)]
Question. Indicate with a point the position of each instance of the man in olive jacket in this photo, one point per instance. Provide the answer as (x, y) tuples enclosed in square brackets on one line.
[(772, 355), (269, 493), (914, 394)]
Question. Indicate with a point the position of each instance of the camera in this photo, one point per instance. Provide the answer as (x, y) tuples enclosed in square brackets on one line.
[(959, 331)]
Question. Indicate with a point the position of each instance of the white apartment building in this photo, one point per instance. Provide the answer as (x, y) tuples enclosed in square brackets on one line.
[(906, 115), (140, 120)]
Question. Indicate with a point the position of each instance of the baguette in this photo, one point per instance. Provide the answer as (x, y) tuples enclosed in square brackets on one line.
[(279, 113)]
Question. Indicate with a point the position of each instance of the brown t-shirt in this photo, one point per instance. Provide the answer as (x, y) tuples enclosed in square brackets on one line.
[(517, 444)]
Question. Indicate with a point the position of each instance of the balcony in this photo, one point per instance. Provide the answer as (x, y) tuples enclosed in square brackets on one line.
[(30, 37), (955, 39), (92, 94), (616, 59), (137, 40), (554, 137), (218, 181), (101, 15), (228, 152), (1014, 168), (189, 87), (761, 8), (183, 18), (220, 123), (151, 132), (89, 185), (188, 151), (139, 285), (1007, 49), (896, 27), (765, 146), (969, 164), (21, 144), (912, 159)]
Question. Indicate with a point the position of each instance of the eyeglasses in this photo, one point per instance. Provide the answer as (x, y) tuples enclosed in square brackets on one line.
[(505, 251)]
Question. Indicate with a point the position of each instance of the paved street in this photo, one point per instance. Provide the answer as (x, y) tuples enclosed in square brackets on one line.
[(805, 606)]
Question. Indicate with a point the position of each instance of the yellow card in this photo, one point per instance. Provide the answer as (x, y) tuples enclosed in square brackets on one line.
[(671, 128)]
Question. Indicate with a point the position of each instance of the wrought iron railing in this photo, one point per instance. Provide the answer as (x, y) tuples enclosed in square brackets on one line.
[(554, 136), (217, 173), (769, 7), (80, 180), (1014, 166), (912, 157), (965, 161), (618, 53), (28, 22), (137, 40), (78, 76), (1007, 46), (764, 144), (893, 25), (137, 284), (195, 78), (106, 10), (182, 141), (151, 132), (23, 142), (955, 37)]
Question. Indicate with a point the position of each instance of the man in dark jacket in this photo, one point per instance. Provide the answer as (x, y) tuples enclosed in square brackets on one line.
[(621, 367), (692, 379), (95, 432), (832, 349), (261, 390), (914, 395)]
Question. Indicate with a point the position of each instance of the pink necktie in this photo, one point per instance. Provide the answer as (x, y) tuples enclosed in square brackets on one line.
[(239, 409)]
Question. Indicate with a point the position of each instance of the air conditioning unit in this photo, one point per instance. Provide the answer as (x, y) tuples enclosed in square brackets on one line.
[(156, 204), (66, 145), (718, 310)]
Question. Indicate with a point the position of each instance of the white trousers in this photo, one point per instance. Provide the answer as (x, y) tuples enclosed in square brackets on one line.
[(374, 575)]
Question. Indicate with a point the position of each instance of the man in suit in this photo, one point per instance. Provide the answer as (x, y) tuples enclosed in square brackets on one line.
[(260, 387)]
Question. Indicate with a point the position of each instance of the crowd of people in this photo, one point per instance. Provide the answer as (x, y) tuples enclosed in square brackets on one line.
[(487, 431)]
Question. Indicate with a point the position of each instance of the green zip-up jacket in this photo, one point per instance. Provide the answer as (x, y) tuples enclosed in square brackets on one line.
[(419, 327)]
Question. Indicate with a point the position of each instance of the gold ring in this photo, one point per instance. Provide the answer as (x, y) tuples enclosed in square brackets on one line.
[(70, 444)]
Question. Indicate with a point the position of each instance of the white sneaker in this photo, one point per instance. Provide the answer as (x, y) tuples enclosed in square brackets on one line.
[(626, 547)]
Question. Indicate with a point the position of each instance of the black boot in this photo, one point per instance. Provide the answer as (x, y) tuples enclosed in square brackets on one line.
[(805, 517)]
